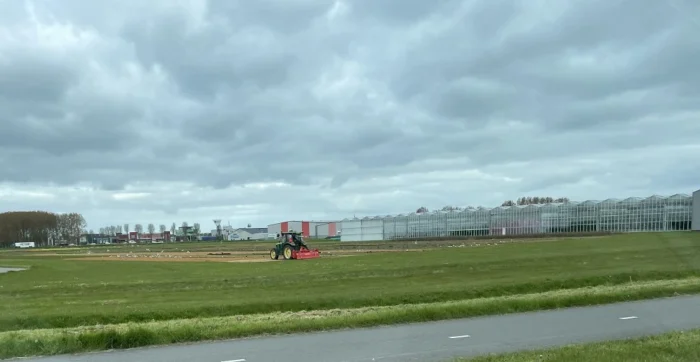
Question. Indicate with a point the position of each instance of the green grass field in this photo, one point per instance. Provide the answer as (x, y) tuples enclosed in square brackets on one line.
[(56, 293), (672, 347)]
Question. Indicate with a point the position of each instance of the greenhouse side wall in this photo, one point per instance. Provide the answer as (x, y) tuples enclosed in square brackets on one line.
[(652, 214), (696, 211)]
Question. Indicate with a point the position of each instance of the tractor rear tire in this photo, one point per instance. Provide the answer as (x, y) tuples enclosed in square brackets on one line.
[(273, 254), (287, 252)]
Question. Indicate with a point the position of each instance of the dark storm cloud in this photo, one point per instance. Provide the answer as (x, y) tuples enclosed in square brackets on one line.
[(333, 96)]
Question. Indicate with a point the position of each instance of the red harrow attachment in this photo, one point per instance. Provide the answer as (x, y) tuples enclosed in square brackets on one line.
[(304, 253)]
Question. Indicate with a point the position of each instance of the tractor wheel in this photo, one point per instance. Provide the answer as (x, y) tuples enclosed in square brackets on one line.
[(273, 254), (287, 252)]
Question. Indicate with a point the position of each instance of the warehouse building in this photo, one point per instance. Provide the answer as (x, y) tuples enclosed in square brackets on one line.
[(248, 234), (655, 213), (308, 229), (325, 230), (695, 223)]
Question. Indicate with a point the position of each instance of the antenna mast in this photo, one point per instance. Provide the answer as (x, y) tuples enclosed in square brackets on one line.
[(218, 229)]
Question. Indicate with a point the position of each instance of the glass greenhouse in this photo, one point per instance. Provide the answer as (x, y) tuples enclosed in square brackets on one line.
[(655, 213)]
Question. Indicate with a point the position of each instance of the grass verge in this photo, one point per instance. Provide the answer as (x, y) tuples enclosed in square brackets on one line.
[(128, 335), (58, 293), (671, 347)]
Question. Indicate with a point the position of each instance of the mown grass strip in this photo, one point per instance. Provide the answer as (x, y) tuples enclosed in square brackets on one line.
[(129, 335), (670, 347), (58, 293)]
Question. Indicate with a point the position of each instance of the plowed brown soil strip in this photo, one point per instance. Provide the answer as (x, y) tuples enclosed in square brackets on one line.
[(175, 260), (235, 257)]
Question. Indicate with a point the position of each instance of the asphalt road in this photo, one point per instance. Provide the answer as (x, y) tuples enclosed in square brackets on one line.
[(435, 341), (5, 270)]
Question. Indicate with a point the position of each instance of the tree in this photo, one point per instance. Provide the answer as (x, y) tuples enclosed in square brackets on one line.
[(162, 229), (451, 208), (196, 228), (535, 200), (27, 226), (138, 228), (62, 227), (91, 232), (76, 226), (126, 228), (119, 229), (151, 229), (422, 210), (112, 230), (102, 231), (69, 227), (173, 228)]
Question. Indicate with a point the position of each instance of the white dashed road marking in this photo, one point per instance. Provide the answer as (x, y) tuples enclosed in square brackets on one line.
[(626, 318), (457, 337)]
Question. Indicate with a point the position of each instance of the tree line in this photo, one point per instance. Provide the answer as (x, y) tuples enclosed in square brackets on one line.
[(47, 228), (526, 200), (41, 227), (113, 230), (536, 200)]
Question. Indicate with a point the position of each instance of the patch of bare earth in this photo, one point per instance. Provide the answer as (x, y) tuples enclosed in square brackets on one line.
[(175, 259)]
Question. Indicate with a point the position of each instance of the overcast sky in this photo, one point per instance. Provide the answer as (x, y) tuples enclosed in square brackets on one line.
[(261, 111)]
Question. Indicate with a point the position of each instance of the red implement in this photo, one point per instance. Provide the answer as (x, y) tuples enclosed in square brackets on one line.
[(306, 254)]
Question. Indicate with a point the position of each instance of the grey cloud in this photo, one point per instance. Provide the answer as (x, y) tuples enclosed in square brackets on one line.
[(399, 13), (346, 109), (26, 78), (292, 17)]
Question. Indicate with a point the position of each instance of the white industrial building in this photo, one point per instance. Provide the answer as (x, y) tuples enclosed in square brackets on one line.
[(654, 213), (695, 223), (248, 234), (327, 229), (308, 229)]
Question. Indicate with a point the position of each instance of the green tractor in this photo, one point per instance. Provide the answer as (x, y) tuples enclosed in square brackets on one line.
[(291, 245)]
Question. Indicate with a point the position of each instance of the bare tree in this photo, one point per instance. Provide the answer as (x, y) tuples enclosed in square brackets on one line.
[(173, 228), (151, 229), (162, 228), (62, 227), (196, 228), (119, 229), (102, 231), (113, 230), (70, 226), (126, 228), (138, 228)]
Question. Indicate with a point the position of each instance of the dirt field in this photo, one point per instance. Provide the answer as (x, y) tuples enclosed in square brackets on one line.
[(254, 253), (175, 259), (223, 257)]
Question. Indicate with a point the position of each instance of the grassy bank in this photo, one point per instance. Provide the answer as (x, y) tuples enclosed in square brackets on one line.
[(672, 347), (128, 335), (57, 293)]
